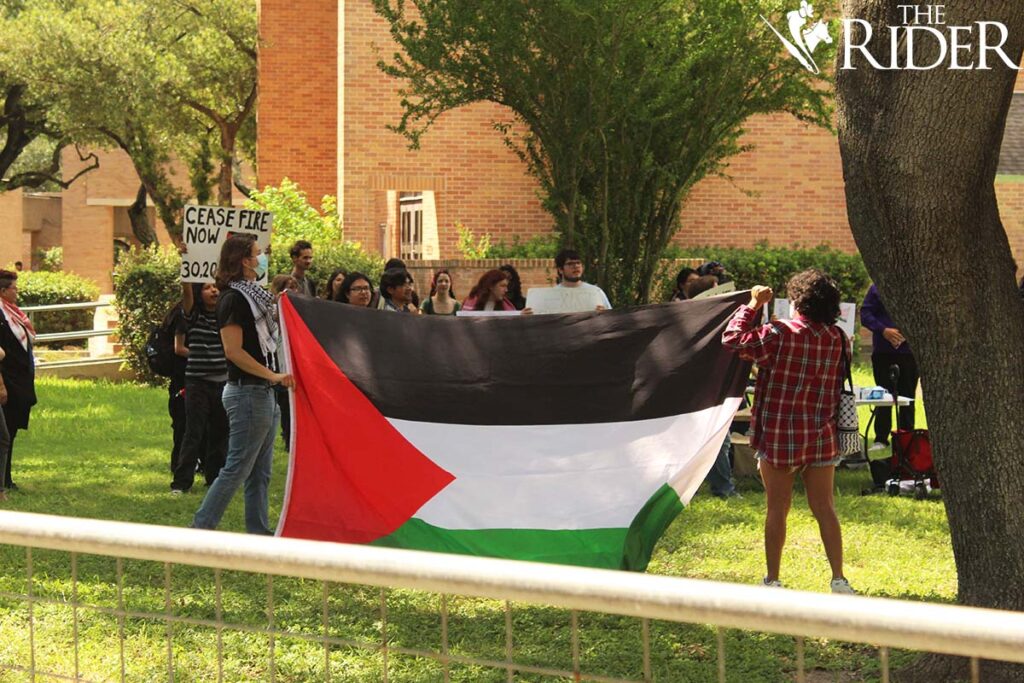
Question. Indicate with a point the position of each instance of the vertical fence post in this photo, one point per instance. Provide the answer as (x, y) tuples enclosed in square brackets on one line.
[(31, 616), (170, 624), (219, 597), (327, 634), (120, 613), (645, 631), (384, 632), (445, 661), (508, 643), (720, 647), (801, 676), (74, 610), (271, 627)]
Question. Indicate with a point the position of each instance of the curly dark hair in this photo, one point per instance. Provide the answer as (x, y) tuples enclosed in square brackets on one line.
[(815, 296)]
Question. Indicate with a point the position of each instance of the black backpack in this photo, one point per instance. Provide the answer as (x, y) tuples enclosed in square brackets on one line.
[(159, 348)]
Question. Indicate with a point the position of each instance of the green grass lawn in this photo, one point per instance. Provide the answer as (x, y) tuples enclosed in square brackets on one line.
[(102, 451)]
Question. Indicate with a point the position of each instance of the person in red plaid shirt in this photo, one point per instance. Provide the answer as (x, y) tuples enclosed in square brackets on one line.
[(800, 363)]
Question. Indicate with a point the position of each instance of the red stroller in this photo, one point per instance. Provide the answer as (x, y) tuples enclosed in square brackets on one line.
[(911, 457), (912, 461)]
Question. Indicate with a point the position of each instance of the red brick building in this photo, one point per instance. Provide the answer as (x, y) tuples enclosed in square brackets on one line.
[(322, 114), (324, 106)]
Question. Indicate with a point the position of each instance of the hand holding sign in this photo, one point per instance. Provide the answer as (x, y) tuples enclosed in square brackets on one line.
[(206, 228)]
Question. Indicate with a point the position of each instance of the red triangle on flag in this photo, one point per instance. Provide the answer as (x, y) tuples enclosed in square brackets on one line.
[(353, 477)]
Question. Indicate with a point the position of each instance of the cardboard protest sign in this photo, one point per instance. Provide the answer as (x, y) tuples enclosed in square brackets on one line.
[(564, 299), (721, 289), (847, 315), (207, 228), (487, 314)]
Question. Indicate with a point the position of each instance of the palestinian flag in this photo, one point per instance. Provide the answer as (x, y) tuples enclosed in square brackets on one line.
[(573, 439)]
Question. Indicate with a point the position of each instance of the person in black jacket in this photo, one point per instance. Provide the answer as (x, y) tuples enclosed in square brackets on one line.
[(18, 368), (5, 438)]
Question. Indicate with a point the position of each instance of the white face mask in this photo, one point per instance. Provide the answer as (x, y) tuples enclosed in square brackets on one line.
[(261, 266)]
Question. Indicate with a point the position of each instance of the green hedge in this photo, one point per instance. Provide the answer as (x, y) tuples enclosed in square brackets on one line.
[(41, 288), (773, 266), (146, 285), (538, 246)]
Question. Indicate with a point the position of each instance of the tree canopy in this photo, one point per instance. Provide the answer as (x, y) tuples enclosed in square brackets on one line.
[(617, 107), (161, 80)]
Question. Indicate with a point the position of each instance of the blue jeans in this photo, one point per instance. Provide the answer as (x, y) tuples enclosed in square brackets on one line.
[(720, 476), (252, 425)]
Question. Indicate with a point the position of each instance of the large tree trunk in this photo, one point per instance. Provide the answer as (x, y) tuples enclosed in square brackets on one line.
[(920, 151), (139, 220)]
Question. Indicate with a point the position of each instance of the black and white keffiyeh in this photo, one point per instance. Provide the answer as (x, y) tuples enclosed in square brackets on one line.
[(263, 311)]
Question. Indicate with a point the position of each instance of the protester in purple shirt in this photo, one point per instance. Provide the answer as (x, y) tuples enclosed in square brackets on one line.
[(889, 348)]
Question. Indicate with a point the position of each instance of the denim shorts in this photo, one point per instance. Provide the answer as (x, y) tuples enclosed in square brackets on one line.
[(797, 468)]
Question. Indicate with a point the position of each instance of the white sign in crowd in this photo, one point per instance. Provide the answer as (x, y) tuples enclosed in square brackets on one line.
[(206, 228)]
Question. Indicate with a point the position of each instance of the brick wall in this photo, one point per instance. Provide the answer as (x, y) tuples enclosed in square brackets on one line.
[(42, 225), (298, 106), (788, 191), (11, 206), (88, 230), (465, 273), (1010, 194), (477, 180)]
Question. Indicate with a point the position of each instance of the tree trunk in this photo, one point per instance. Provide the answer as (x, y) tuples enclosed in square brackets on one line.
[(920, 151), (226, 178), (139, 220)]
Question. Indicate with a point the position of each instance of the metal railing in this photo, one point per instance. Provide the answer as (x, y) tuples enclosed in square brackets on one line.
[(74, 335), (969, 632)]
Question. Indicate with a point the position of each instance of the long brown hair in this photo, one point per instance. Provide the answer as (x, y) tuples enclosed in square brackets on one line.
[(230, 269), (451, 283), (485, 285)]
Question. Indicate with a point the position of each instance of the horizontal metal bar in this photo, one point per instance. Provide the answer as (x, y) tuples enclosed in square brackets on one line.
[(948, 629), (81, 306), (43, 674), (71, 336), (80, 362)]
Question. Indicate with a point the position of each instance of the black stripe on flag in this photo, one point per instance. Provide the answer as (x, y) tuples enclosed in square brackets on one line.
[(580, 368)]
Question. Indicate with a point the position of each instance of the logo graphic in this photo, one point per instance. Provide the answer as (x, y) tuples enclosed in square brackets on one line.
[(804, 40)]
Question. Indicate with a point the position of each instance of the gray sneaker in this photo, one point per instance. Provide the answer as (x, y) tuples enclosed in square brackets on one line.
[(771, 584), (842, 587)]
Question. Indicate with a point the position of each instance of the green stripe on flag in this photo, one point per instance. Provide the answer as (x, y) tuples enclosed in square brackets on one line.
[(648, 526), (602, 548)]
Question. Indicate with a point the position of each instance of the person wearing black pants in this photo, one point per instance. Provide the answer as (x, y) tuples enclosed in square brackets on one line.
[(206, 435), (889, 347), (206, 422), (18, 368), (906, 385), (176, 390)]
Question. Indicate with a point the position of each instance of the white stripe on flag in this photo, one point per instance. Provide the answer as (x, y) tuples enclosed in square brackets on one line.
[(580, 476)]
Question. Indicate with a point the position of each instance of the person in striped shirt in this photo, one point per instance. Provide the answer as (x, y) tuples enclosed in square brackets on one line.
[(206, 422)]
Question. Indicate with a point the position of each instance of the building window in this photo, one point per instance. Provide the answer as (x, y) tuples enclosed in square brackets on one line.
[(410, 211)]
